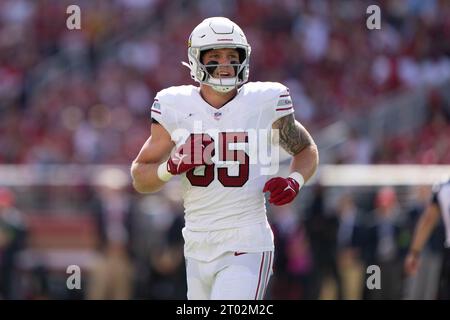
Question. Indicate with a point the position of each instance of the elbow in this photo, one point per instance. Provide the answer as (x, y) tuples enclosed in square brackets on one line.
[(140, 181), (308, 160), (311, 152), (315, 152), (143, 188), (139, 187), (137, 182)]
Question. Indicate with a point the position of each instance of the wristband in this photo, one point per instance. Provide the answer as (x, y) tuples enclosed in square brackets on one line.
[(297, 177), (163, 174)]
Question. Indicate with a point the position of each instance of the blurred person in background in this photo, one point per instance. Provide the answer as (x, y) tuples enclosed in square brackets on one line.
[(350, 241), (111, 276), (228, 240), (439, 205), (293, 259), (167, 278), (322, 227), (13, 233), (387, 238), (424, 284)]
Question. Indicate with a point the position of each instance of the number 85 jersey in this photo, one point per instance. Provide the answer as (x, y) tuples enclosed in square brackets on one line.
[(227, 193)]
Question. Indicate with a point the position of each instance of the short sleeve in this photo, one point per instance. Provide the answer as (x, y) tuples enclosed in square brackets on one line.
[(435, 193), (161, 113), (283, 105)]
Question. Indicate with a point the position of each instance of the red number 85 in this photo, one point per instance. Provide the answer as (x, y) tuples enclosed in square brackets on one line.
[(225, 154)]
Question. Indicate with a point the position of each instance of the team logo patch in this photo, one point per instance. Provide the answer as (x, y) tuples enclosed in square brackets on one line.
[(217, 115)]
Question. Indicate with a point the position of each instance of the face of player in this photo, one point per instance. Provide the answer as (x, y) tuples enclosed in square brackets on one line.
[(226, 57)]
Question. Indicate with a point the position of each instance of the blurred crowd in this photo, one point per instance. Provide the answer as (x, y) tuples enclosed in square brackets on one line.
[(329, 251), (325, 243), (83, 96)]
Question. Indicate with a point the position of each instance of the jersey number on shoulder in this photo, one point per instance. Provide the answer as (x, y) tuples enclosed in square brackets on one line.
[(225, 154)]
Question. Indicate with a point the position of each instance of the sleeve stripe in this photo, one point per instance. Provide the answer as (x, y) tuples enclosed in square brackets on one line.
[(281, 109), (155, 99), (157, 111), (284, 95)]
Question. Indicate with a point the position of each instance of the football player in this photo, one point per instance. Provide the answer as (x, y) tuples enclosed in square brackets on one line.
[(228, 241), (438, 206)]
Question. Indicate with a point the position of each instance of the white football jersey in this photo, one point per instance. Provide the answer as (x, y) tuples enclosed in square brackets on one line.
[(441, 197), (228, 193)]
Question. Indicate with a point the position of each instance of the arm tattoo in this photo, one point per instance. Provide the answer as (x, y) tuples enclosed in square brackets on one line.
[(293, 136)]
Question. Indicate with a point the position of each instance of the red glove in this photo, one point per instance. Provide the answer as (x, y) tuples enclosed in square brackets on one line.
[(282, 190), (190, 155)]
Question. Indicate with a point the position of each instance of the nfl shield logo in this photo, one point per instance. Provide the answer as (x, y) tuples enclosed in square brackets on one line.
[(217, 115)]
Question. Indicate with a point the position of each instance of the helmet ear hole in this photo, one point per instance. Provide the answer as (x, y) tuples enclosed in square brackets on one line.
[(241, 75), (242, 54), (202, 54)]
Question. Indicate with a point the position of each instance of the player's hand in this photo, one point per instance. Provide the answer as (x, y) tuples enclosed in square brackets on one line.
[(193, 153), (412, 263), (282, 190)]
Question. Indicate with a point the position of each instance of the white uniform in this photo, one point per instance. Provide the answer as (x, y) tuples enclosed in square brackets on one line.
[(224, 203), (441, 197)]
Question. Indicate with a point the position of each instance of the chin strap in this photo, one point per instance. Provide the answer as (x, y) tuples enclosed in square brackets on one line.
[(222, 89)]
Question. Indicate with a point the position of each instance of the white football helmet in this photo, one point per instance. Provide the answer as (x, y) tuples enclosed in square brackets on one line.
[(217, 33)]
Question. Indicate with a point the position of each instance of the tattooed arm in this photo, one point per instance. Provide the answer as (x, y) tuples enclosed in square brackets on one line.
[(297, 141)]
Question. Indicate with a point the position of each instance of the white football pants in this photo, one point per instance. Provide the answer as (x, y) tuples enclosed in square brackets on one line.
[(231, 276)]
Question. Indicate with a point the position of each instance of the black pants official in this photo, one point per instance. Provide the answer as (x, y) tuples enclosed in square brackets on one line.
[(444, 281)]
